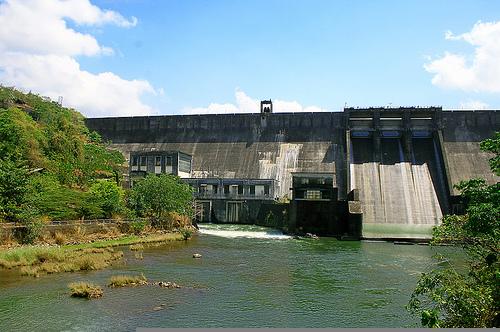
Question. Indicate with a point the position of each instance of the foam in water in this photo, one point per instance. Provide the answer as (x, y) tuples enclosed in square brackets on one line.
[(242, 231)]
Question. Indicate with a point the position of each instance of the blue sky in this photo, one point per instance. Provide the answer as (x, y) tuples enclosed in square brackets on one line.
[(316, 53)]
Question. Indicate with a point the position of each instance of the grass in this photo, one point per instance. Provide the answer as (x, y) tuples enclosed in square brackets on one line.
[(136, 247), (124, 280), (85, 290), (129, 240), (36, 260), (71, 261)]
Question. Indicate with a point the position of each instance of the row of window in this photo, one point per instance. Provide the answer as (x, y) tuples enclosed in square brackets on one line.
[(312, 180), (253, 190), (141, 162), (144, 160)]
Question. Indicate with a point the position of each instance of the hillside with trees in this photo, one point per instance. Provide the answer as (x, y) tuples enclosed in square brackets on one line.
[(53, 168)]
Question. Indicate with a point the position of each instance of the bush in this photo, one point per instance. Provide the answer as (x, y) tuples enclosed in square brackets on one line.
[(162, 198), (33, 226), (137, 227), (85, 290), (186, 234), (107, 196), (60, 238), (54, 200), (13, 188), (123, 280)]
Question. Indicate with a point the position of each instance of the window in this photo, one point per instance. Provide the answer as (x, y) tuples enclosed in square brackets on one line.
[(134, 161), (226, 189), (313, 194), (202, 189), (157, 161), (144, 160), (214, 189), (252, 190), (233, 189), (169, 160), (240, 190), (185, 165), (266, 189)]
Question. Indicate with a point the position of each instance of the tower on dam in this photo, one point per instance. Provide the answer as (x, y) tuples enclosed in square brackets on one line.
[(395, 165)]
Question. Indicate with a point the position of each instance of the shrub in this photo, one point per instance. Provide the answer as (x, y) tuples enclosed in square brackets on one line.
[(33, 227), (124, 280), (186, 234), (60, 238), (157, 196), (137, 227), (85, 290), (107, 196)]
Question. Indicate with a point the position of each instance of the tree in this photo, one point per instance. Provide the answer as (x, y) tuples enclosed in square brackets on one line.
[(157, 195), (466, 296), (13, 188), (107, 196)]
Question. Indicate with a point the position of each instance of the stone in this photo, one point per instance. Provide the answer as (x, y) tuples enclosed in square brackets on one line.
[(168, 284)]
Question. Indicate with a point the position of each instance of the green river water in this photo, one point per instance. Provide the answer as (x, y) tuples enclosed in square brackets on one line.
[(248, 277)]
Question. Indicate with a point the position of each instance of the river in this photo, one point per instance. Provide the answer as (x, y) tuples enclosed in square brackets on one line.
[(248, 276)]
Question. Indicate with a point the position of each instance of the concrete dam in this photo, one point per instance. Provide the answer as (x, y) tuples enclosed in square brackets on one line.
[(400, 164)]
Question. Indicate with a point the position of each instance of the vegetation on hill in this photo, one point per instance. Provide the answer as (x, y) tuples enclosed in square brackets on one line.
[(50, 163), (455, 296), (53, 168)]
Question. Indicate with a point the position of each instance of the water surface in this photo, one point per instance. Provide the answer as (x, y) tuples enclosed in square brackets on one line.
[(248, 277)]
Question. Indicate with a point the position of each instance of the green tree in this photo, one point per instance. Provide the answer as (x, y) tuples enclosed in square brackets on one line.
[(13, 188), (37, 134), (467, 296), (107, 196), (55, 200), (157, 195), (493, 145)]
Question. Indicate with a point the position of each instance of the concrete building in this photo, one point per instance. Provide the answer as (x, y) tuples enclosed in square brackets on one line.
[(159, 162), (231, 200)]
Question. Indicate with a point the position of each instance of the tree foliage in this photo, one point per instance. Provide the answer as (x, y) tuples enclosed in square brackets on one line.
[(107, 196), (47, 150), (451, 296), (156, 196), (13, 188)]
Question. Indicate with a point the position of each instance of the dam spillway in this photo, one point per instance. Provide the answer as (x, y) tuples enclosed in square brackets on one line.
[(403, 162), (395, 190)]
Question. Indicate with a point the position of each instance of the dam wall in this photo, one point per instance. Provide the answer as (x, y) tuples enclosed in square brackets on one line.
[(462, 131), (402, 161), (255, 146)]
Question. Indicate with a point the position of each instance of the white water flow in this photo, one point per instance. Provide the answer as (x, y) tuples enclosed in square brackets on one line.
[(397, 196), (241, 231)]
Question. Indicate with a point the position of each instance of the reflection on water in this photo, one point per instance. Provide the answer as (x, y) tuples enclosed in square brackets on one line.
[(248, 277)]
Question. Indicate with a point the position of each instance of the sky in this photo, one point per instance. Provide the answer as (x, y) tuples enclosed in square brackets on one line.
[(147, 57)]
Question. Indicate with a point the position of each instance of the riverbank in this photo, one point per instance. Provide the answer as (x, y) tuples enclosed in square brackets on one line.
[(34, 260)]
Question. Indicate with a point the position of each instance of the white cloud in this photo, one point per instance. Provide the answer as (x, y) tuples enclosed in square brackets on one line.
[(38, 50), (246, 104), (474, 105), (482, 73)]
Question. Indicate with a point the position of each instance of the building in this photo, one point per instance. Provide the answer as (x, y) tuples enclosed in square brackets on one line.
[(159, 162), (231, 200)]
